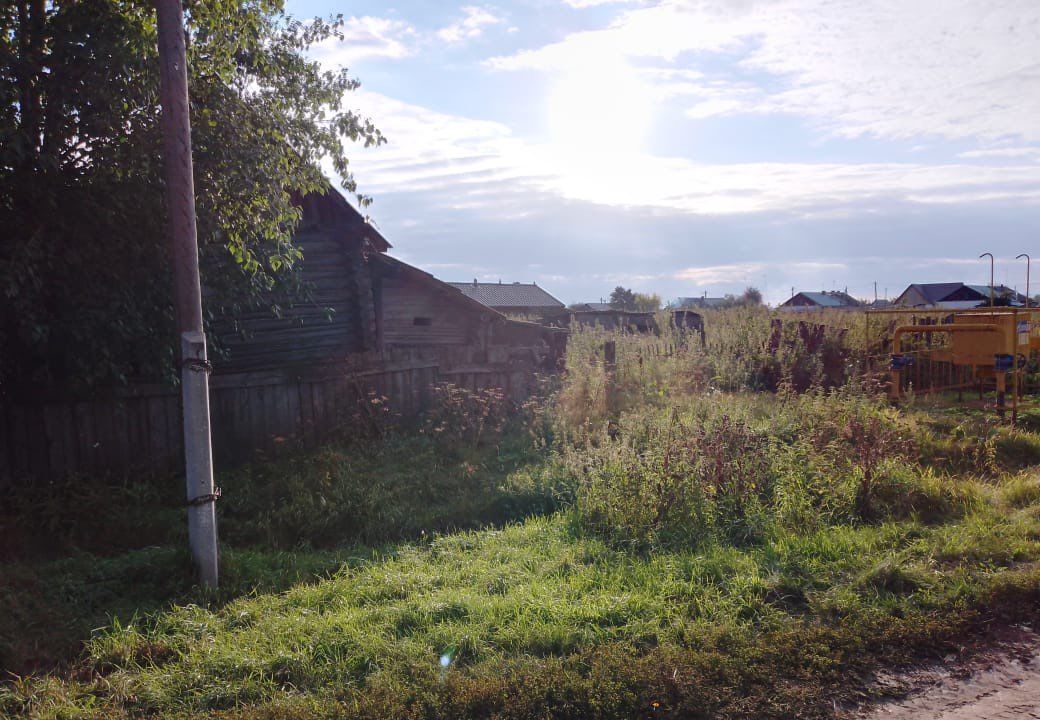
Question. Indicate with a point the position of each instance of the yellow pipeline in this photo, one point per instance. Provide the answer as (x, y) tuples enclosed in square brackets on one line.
[(966, 327)]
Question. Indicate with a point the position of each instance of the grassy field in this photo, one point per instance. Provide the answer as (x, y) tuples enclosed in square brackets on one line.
[(718, 531)]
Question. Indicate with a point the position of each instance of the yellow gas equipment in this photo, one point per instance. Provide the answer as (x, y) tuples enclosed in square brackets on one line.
[(991, 343)]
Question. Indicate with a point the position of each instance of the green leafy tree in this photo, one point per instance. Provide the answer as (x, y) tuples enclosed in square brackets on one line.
[(622, 299), (751, 297), (84, 276), (647, 302)]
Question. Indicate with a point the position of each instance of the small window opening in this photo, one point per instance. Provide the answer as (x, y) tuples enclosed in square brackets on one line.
[(422, 321)]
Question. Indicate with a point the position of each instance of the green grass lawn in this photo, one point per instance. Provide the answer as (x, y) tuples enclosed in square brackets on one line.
[(531, 620)]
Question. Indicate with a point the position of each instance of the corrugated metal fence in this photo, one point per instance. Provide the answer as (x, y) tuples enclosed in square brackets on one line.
[(137, 429)]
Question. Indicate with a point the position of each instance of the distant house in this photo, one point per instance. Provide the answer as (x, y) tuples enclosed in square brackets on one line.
[(511, 298), (697, 303), (826, 300), (955, 296)]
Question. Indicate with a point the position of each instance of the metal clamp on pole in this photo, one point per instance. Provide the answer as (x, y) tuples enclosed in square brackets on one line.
[(203, 499), (197, 365)]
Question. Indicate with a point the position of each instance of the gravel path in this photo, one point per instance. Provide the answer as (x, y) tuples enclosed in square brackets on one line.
[(999, 683)]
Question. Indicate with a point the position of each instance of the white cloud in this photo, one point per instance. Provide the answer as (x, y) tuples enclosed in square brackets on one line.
[(593, 3), (480, 164), (1009, 152), (472, 23), (888, 68), (716, 106), (745, 272), (365, 37)]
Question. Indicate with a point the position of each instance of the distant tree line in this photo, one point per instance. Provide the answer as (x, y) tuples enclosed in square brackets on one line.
[(626, 299)]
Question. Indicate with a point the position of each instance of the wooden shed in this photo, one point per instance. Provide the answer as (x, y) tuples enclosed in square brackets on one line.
[(419, 317), (337, 319)]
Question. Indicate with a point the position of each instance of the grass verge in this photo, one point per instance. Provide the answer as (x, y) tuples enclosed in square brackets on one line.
[(535, 621)]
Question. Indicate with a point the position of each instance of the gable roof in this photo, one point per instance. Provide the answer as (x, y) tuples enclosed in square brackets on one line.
[(998, 290), (330, 210), (934, 292), (508, 295), (943, 293), (833, 299)]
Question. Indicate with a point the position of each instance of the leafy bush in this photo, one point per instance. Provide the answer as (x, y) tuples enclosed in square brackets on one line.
[(861, 446), (732, 468), (461, 415), (673, 485)]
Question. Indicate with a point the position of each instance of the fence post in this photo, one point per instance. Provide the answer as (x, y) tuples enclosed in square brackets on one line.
[(610, 366)]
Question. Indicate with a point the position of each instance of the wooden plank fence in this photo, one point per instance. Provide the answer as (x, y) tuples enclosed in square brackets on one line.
[(137, 429)]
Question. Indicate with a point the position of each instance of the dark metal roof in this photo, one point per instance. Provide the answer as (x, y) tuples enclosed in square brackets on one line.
[(508, 295), (936, 292), (944, 292), (998, 290), (832, 299)]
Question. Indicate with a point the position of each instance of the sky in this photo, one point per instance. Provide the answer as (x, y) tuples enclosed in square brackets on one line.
[(689, 148)]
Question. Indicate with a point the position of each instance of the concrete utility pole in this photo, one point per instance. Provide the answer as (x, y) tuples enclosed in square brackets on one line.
[(180, 196)]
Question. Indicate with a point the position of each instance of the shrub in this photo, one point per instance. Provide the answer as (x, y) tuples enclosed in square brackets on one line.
[(461, 415), (859, 442), (676, 485)]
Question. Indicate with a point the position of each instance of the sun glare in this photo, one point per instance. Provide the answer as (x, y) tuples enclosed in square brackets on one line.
[(599, 109)]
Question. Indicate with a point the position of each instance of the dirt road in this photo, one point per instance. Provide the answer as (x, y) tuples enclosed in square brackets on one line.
[(1000, 682)]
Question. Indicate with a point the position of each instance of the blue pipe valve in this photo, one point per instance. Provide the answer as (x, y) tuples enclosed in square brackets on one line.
[(901, 361)]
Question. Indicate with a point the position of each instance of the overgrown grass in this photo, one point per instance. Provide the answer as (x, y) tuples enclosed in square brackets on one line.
[(280, 521), (350, 491), (493, 614), (660, 539)]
